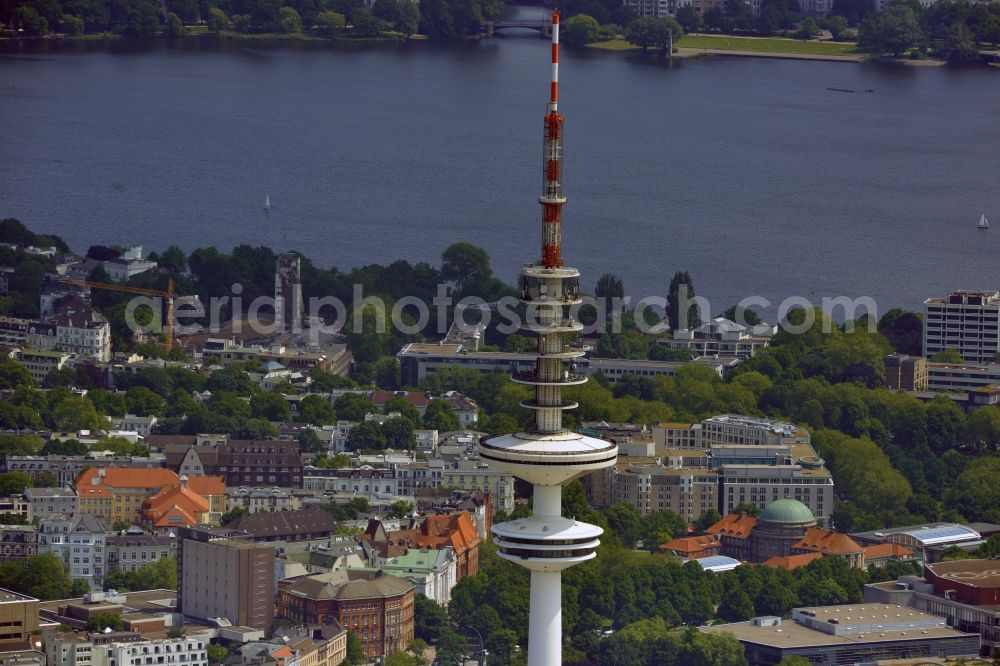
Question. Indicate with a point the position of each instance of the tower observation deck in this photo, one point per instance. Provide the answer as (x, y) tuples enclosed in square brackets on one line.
[(547, 455)]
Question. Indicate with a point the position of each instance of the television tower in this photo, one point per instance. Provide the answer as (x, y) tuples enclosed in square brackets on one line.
[(547, 455)]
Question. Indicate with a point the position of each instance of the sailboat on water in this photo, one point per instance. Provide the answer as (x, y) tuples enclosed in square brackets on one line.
[(267, 202), (983, 223)]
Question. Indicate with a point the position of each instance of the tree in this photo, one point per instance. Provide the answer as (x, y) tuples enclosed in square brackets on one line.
[(354, 407), (895, 30), (465, 265), (807, 29), (233, 514), (837, 25), (429, 619), (291, 22), (241, 24), (398, 433), (76, 413), (855, 11), (400, 509), (647, 32), (140, 401), (580, 29), (14, 374), (947, 356), (794, 660), (101, 621), (30, 21), (707, 519), (365, 435), (689, 19), (330, 23), (355, 650), (682, 293), (64, 447), (133, 17), (14, 483), (365, 24), (217, 653), (440, 416), (976, 492), (217, 22), (982, 428), (961, 44), (173, 26), (736, 605), (271, 406)]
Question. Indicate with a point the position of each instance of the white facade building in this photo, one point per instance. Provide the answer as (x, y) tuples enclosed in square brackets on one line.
[(966, 321), (81, 544)]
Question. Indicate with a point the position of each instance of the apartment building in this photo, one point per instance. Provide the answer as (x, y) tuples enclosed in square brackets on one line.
[(18, 542), (649, 487), (961, 377), (130, 489), (80, 543), (906, 373), (75, 328), (13, 331), (41, 362), (221, 574), (66, 469), (472, 474), (19, 619), (377, 607), (136, 548), (722, 337), (47, 502), (966, 321), (73, 649), (728, 429)]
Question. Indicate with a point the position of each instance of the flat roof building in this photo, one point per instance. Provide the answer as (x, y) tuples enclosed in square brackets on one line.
[(966, 321), (849, 634)]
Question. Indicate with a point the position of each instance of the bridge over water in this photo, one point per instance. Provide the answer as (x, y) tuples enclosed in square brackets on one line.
[(541, 25)]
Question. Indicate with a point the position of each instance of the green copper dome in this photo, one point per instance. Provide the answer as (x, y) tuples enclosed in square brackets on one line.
[(787, 511)]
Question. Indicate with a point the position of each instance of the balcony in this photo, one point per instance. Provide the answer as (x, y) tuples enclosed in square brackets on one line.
[(532, 378)]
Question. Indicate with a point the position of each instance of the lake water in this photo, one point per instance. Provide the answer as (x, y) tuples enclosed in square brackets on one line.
[(746, 172)]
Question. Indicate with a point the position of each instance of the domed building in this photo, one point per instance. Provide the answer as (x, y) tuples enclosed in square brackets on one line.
[(780, 526)]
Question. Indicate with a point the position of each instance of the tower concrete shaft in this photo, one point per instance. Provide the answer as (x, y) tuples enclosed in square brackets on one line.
[(547, 455)]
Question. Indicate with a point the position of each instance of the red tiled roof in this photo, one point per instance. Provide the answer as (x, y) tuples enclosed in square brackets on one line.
[(379, 398), (206, 486), (792, 561), (127, 477), (887, 549), (734, 525), (825, 541), (692, 544)]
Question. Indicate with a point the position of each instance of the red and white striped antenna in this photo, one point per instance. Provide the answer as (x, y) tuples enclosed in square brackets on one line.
[(554, 101)]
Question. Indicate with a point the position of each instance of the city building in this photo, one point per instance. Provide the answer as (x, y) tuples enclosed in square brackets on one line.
[(649, 486), (693, 547), (932, 539), (465, 408), (377, 607), (140, 425), (961, 377), (41, 362), (965, 593), (19, 619), (455, 531), (966, 321), (135, 548), (419, 359), (416, 399), (13, 331), (80, 543), (728, 429), (546, 454), (66, 469), (906, 373), (122, 649), (128, 264), (849, 634), (18, 542), (472, 474), (335, 358), (298, 525), (650, 8), (74, 328), (433, 573), (130, 488), (222, 574), (804, 478), (46, 502), (264, 499), (197, 500), (98, 502), (721, 337)]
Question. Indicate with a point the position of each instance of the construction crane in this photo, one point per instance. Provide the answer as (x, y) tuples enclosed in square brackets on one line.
[(168, 326)]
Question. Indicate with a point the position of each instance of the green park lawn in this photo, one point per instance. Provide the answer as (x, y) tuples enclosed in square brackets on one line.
[(758, 44)]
